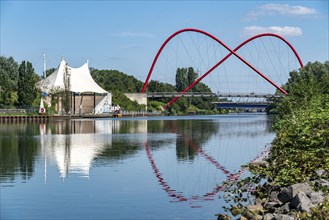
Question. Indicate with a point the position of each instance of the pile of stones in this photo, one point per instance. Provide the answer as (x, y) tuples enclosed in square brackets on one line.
[(284, 203)]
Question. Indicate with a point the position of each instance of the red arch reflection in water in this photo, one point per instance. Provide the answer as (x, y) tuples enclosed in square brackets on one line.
[(179, 196)]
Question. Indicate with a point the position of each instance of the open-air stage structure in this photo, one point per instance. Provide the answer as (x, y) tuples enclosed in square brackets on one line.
[(87, 97)]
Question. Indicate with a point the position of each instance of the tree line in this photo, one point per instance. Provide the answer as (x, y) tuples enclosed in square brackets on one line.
[(118, 83), (17, 83), (302, 142), (300, 149), (18, 88)]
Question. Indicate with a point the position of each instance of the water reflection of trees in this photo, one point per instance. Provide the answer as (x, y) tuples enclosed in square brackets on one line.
[(21, 144), (120, 149), (197, 131), (18, 150), (200, 131), (244, 128), (69, 143), (127, 139)]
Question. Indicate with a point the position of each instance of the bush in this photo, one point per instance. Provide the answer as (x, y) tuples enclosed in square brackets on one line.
[(301, 145)]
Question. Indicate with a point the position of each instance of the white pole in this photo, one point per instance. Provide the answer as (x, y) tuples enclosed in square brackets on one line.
[(44, 65)]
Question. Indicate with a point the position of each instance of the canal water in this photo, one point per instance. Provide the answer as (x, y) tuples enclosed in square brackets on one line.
[(136, 168)]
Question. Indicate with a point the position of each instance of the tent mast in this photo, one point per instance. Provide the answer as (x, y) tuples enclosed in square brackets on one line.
[(44, 65)]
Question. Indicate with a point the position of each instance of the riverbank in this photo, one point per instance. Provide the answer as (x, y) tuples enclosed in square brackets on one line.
[(304, 200), (44, 118), (293, 181)]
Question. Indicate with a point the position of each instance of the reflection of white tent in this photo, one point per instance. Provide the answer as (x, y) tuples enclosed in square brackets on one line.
[(80, 78), (75, 153)]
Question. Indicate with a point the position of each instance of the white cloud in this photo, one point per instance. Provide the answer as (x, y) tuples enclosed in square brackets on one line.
[(282, 31), (133, 34), (286, 9), (280, 9)]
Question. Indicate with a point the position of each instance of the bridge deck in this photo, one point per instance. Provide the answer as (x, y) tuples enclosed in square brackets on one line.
[(221, 95), (243, 105)]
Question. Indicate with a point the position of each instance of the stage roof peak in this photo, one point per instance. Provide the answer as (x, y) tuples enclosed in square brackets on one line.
[(80, 80)]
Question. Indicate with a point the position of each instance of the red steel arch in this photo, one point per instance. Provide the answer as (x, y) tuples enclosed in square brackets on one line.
[(222, 60)]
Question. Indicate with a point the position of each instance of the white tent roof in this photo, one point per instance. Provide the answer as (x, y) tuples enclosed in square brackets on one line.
[(81, 80)]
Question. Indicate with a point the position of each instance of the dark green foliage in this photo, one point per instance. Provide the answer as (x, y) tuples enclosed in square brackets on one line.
[(181, 105), (119, 83), (181, 79), (50, 71), (155, 105), (191, 77), (12, 77), (124, 102), (8, 81), (17, 83), (302, 87), (26, 84), (302, 142), (156, 86), (184, 78), (112, 80), (203, 102), (301, 145)]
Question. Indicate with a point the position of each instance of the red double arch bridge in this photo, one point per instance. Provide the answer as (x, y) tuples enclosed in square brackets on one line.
[(231, 52)]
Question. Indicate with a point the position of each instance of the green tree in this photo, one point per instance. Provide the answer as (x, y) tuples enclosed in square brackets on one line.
[(111, 80), (181, 79), (302, 129), (191, 77), (26, 84), (118, 83), (203, 102), (156, 86), (8, 81), (184, 78), (124, 102), (302, 86), (50, 71)]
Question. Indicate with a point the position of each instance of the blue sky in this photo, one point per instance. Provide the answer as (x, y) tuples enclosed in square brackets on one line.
[(126, 35)]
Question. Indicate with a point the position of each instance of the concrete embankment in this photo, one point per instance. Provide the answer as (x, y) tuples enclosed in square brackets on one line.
[(46, 118)]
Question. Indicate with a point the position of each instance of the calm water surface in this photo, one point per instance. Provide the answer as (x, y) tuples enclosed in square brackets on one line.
[(142, 168)]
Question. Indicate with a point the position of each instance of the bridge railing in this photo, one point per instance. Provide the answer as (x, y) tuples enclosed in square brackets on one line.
[(177, 94), (252, 95), (210, 94)]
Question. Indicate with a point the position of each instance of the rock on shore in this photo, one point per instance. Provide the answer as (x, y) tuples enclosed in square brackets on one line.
[(284, 203)]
